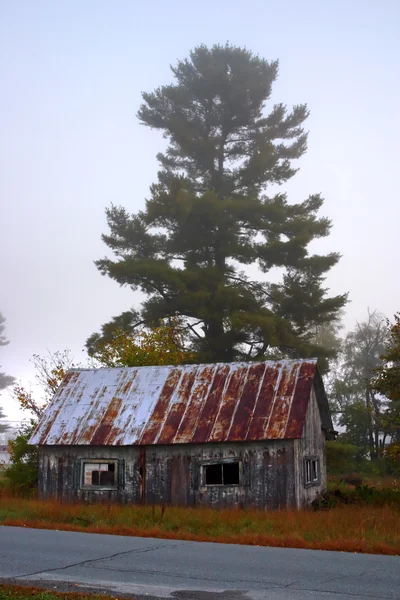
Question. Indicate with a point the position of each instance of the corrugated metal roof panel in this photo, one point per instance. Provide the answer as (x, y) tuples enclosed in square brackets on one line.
[(183, 404)]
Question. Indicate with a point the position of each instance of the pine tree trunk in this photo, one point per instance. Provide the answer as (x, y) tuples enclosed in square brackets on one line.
[(214, 334)]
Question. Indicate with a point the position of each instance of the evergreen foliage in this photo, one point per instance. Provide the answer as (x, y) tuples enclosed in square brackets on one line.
[(215, 216)]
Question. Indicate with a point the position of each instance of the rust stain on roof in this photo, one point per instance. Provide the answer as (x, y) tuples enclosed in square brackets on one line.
[(177, 410), (245, 405), (264, 403), (183, 404), (211, 404), (155, 424), (283, 401), (235, 384), (298, 409)]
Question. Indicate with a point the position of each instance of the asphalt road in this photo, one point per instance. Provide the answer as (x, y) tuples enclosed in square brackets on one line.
[(154, 569)]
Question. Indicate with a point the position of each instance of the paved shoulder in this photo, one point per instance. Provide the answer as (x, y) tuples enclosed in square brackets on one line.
[(155, 568)]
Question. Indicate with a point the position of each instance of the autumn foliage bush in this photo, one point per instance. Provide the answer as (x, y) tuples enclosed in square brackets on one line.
[(355, 492), (22, 475)]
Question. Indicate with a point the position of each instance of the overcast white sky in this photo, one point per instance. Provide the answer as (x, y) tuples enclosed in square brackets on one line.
[(71, 75)]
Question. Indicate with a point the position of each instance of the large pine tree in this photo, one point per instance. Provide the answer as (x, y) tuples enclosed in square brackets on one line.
[(215, 211)]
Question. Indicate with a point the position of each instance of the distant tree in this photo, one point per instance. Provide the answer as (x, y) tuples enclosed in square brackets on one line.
[(49, 373), (3, 426), (23, 471), (3, 339), (5, 380), (327, 335), (213, 213), (387, 375), (343, 458), (387, 383), (354, 401)]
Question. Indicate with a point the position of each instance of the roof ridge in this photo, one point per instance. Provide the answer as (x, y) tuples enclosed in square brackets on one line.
[(218, 364)]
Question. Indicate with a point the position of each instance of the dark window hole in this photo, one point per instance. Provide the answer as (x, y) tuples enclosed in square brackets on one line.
[(222, 474)]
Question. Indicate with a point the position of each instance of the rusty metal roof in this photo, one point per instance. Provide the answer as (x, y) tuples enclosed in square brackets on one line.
[(183, 404)]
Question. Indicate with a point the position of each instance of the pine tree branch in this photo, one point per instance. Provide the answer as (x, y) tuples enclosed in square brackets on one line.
[(250, 284), (192, 327)]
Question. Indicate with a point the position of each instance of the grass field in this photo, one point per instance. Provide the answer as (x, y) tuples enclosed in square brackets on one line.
[(353, 528), (16, 592)]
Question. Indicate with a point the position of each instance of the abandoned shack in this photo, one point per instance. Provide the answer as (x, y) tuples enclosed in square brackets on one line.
[(247, 435)]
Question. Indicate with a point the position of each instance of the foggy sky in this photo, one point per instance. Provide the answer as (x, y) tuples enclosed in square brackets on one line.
[(71, 75)]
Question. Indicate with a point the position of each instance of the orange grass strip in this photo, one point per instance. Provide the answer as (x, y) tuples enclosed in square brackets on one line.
[(367, 529)]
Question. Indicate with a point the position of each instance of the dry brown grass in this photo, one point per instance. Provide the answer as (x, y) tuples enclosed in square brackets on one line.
[(18, 592), (370, 529)]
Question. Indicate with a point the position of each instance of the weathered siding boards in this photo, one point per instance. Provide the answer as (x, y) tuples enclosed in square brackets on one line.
[(173, 475), (69, 489), (311, 444)]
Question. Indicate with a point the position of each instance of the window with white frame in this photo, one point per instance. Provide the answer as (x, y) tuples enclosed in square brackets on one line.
[(99, 474), (311, 470)]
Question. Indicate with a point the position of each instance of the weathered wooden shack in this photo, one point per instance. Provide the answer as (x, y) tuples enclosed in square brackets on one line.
[(247, 435)]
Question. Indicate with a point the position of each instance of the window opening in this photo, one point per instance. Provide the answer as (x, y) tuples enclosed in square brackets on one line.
[(213, 474), (222, 474), (312, 470), (99, 474), (231, 473)]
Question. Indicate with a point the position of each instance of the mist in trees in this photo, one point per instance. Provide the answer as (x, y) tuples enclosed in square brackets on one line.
[(387, 383), (360, 402), (5, 380), (3, 426)]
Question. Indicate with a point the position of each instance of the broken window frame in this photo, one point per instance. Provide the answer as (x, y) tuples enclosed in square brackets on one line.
[(99, 461), (221, 462), (312, 471)]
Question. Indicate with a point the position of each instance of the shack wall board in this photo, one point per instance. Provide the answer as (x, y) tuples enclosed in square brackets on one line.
[(310, 445), (173, 474), (60, 473)]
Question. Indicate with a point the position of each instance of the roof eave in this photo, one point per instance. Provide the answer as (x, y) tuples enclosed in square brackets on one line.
[(323, 404)]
